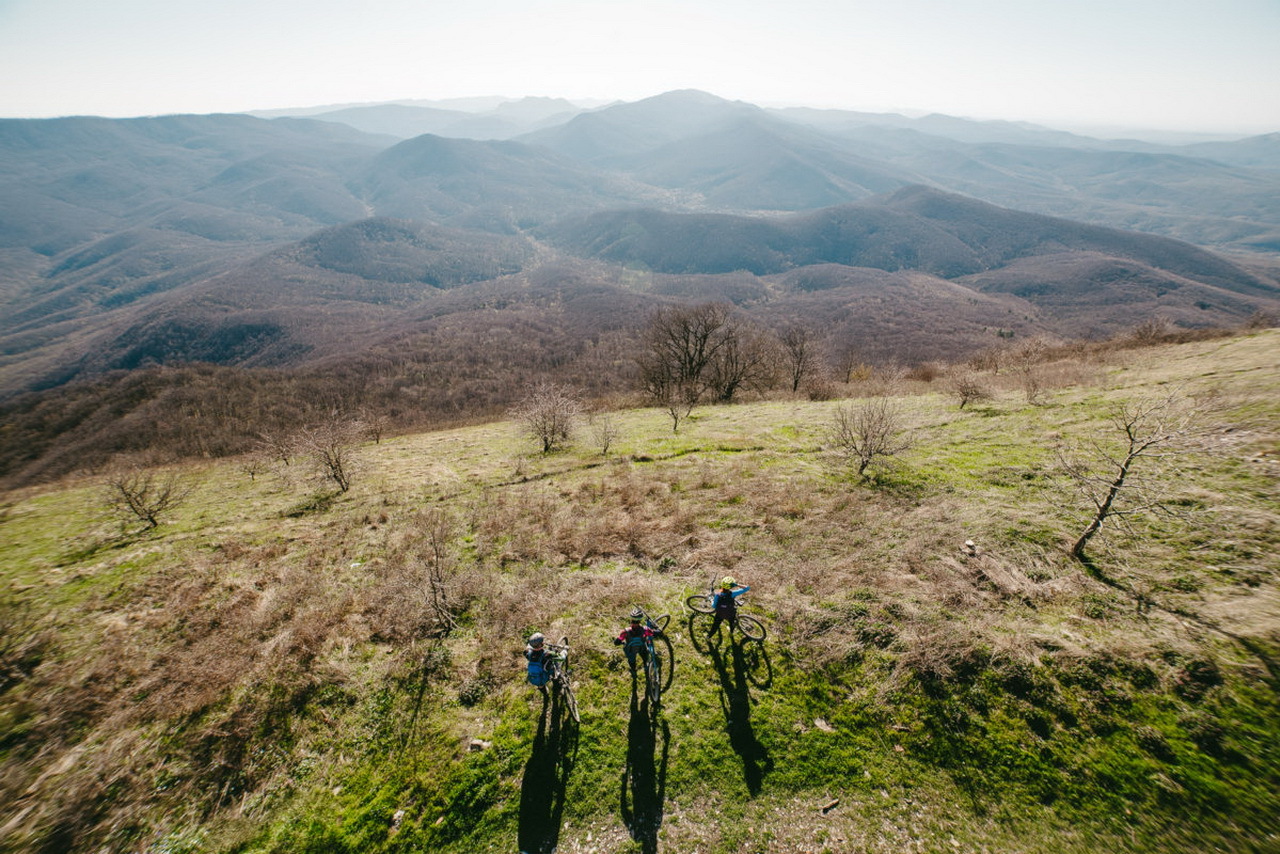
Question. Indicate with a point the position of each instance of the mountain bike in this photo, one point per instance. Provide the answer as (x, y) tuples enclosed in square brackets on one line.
[(749, 626), (656, 678), (558, 676)]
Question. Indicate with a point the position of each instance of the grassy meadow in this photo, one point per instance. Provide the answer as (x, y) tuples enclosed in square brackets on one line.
[(268, 670)]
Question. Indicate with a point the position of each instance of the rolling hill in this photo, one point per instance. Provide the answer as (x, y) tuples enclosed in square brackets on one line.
[(293, 244)]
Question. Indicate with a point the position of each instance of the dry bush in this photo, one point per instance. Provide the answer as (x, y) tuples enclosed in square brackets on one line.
[(138, 493), (1154, 330), (820, 387), (331, 447), (869, 432), (605, 431), (967, 387), (941, 650), (549, 414)]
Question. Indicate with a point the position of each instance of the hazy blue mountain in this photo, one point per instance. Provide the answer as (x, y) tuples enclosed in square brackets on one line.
[(398, 120), (759, 163), (496, 185), (624, 130), (1258, 152), (916, 228), (406, 120)]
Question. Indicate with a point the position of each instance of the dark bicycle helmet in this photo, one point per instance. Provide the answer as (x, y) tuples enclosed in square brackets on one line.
[(636, 615)]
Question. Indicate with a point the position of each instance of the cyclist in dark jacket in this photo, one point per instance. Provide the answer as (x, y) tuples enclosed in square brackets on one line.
[(726, 603), (635, 639)]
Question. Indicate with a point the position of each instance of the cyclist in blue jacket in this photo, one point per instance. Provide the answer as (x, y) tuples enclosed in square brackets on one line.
[(725, 603)]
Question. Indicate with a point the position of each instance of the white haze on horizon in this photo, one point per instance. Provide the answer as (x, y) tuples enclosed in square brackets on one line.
[(1181, 65)]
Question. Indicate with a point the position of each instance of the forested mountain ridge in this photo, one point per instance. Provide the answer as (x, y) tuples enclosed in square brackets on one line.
[(295, 244)]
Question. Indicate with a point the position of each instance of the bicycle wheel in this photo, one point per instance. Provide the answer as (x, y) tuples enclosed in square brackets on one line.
[(570, 701), (669, 662), (751, 628), (653, 681), (700, 603)]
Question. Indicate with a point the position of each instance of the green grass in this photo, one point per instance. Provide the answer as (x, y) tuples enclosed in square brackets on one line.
[(256, 675)]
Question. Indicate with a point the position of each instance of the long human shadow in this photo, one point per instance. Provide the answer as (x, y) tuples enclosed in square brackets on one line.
[(735, 674), (546, 778), (644, 779)]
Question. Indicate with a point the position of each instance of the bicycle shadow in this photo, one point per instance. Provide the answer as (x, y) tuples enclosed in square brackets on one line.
[(546, 778), (734, 672), (644, 779)]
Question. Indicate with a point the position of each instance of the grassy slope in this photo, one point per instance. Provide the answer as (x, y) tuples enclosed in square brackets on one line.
[(256, 675)]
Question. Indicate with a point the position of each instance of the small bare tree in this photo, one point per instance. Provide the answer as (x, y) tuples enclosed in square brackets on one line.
[(967, 388), (331, 446), (549, 414), (1026, 360), (798, 353), (420, 589), (869, 431), (1126, 471), (137, 493), (604, 431)]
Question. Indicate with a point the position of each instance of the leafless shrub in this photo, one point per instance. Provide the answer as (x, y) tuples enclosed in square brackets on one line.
[(868, 432), (926, 372), (331, 447), (549, 414), (276, 446), (968, 388), (604, 431), (1108, 472), (1026, 360), (819, 387), (989, 359), (142, 494), (420, 597), (1153, 330)]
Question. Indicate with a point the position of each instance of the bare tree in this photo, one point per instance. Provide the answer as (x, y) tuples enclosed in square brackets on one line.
[(1151, 432), (798, 354), (1027, 360), (549, 413), (967, 388), (745, 359), (144, 494), (331, 446), (844, 357), (422, 587), (679, 344), (863, 433), (604, 431)]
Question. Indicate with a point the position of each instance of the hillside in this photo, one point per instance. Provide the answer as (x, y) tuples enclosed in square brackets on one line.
[(265, 671)]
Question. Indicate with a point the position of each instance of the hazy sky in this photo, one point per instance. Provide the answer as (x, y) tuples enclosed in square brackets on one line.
[(1176, 64)]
